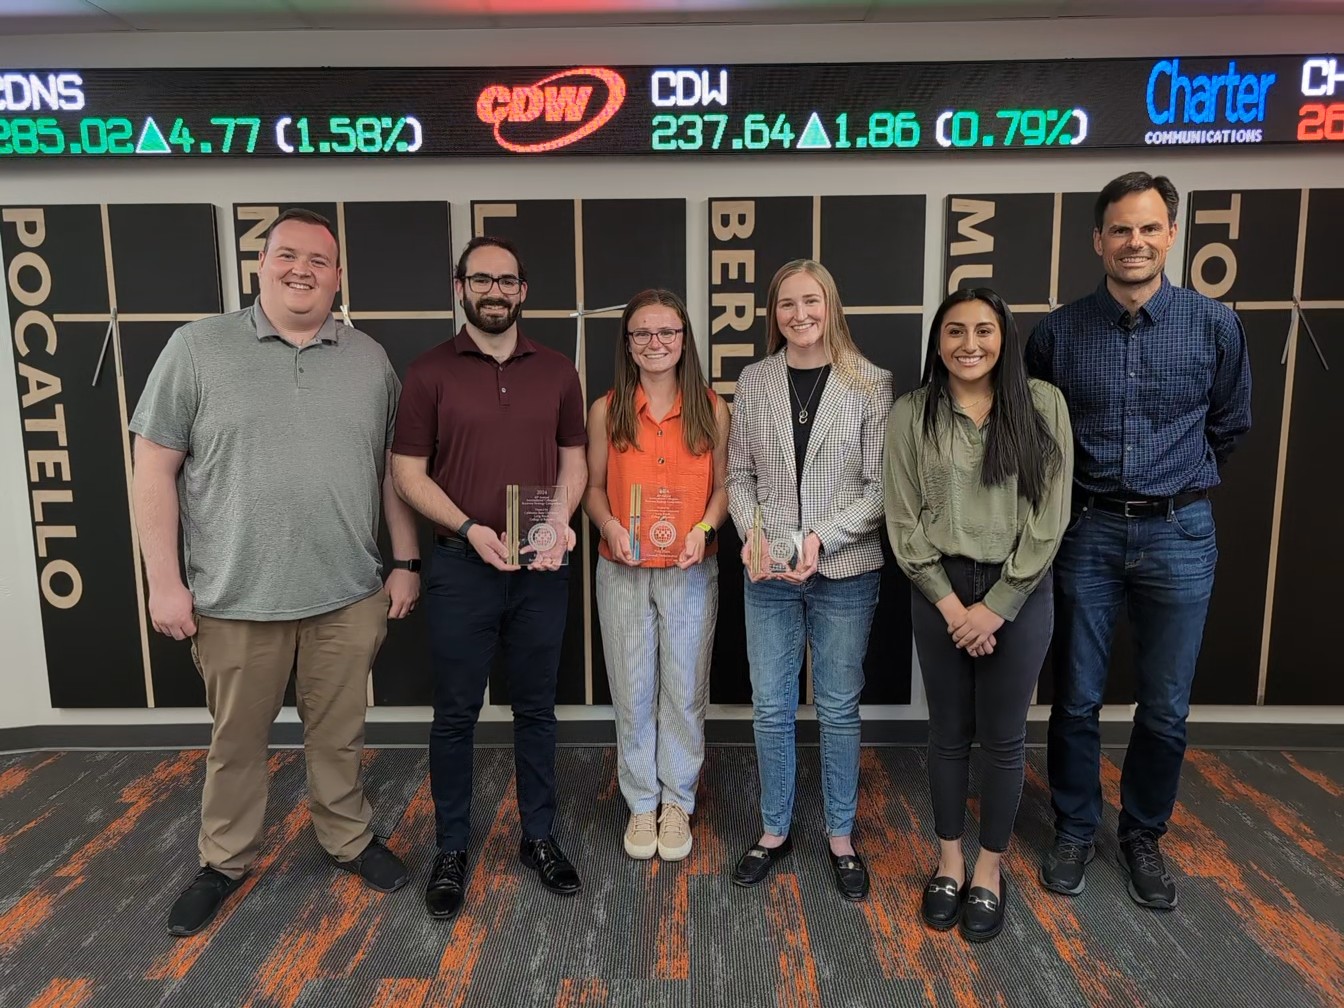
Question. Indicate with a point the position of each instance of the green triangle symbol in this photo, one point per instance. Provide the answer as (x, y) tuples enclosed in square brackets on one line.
[(814, 135), (152, 142)]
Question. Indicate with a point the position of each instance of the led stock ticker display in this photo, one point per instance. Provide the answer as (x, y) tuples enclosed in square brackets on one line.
[(799, 110)]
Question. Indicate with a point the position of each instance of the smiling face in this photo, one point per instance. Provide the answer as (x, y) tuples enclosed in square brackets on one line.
[(655, 357), (299, 274), (1134, 240), (800, 313), (494, 311), (970, 340)]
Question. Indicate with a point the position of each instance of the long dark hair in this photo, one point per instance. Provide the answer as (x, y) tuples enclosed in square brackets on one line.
[(1019, 441), (697, 409)]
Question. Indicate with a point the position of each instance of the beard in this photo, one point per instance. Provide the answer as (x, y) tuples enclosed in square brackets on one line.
[(491, 326)]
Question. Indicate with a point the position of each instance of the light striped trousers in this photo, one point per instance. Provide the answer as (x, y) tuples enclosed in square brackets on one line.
[(658, 634)]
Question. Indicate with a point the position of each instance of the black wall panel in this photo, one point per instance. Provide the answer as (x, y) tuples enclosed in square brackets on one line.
[(162, 270)]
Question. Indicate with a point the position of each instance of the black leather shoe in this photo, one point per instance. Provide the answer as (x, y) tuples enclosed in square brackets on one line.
[(982, 916), (552, 867), (753, 866), (1064, 865), (377, 867), (943, 901), (200, 901), (1150, 884), (851, 876), (447, 884)]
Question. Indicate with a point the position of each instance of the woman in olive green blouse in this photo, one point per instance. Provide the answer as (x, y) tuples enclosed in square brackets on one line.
[(977, 471)]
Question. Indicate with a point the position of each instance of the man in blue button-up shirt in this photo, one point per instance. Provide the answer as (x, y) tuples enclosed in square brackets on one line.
[(1158, 385)]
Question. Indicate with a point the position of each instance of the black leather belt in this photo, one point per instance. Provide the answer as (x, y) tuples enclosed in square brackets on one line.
[(1138, 507), (449, 540)]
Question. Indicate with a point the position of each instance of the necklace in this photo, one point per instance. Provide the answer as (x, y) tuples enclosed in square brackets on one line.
[(967, 406), (804, 408)]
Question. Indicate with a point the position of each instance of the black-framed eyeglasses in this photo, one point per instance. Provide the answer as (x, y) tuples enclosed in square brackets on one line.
[(641, 337), (480, 283)]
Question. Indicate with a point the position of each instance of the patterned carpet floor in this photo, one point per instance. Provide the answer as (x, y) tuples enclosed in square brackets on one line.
[(94, 846)]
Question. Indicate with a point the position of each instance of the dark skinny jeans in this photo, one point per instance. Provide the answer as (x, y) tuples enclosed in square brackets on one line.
[(980, 698)]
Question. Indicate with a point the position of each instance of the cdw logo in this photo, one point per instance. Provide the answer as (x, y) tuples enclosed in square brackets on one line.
[(561, 99)]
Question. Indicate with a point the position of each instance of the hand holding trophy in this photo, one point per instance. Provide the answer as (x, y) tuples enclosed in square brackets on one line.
[(771, 552)]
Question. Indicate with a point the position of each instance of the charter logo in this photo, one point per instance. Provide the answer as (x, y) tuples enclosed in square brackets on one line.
[(1225, 107), (553, 105)]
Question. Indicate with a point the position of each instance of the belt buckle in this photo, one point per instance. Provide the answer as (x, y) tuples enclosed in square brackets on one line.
[(1136, 504)]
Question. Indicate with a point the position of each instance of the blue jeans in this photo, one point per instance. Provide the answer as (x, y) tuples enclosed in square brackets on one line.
[(1161, 569), (834, 616)]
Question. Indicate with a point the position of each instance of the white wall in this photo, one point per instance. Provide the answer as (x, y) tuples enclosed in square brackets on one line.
[(22, 666)]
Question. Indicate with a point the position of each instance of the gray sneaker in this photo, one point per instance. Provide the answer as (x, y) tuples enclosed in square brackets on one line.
[(1063, 866)]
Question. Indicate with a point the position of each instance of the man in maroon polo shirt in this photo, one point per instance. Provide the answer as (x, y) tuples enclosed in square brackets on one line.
[(484, 410)]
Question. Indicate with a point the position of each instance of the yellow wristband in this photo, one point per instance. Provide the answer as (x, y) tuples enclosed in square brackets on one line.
[(704, 527)]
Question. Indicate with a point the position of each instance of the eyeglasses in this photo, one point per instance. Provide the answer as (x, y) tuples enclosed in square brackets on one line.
[(641, 337), (480, 283)]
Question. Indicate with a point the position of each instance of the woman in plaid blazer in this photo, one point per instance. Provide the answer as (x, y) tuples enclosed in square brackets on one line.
[(805, 464)]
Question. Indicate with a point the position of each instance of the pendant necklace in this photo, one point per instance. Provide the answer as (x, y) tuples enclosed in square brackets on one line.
[(804, 408)]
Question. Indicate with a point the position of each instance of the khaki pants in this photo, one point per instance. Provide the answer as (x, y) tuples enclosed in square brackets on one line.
[(246, 666)]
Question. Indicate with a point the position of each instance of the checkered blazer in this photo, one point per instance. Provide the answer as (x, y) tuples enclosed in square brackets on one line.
[(842, 472)]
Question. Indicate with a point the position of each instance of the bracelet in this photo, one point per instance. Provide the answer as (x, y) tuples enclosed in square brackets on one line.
[(603, 530)]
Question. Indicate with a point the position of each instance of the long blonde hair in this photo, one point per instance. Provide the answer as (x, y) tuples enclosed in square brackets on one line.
[(697, 408), (840, 346)]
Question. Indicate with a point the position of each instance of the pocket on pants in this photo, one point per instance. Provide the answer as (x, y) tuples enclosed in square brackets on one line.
[(1194, 521)]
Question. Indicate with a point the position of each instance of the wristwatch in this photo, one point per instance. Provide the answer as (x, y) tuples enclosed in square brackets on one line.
[(409, 565), (709, 530)]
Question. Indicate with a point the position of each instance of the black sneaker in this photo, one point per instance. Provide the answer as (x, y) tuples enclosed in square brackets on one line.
[(1063, 866), (1150, 884), (199, 902), (377, 866)]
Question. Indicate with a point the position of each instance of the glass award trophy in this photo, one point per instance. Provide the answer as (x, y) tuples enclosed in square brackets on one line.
[(772, 550), (535, 518), (654, 522)]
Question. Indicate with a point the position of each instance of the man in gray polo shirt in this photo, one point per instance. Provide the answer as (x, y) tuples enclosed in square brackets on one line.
[(264, 433)]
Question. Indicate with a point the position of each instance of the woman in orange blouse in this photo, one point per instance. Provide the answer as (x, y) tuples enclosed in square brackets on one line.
[(657, 447)]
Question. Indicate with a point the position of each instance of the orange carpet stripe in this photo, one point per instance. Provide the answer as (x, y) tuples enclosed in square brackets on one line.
[(900, 857), (13, 778), (796, 986), (708, 855), (185, 951), (7, 838), (674, 954), (491, 888), (1308, 946), (1102, 984), (348, 912), (35, 906), (590, 993), (1315, 776), (401, 993), (1223, 779), (63, 994), (612, 788)]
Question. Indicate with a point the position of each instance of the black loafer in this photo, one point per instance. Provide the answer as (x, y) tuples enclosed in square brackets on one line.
[(552, 867), (447, 884), (200, 901), (943, 901), (377, 867), (753, 866), (982, 917), (851, 876)]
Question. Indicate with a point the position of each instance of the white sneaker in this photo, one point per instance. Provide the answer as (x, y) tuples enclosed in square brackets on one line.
[(674, 833), (641, 835)]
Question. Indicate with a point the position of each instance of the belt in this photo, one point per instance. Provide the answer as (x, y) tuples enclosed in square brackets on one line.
[(449, 540), (1138, 507)]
